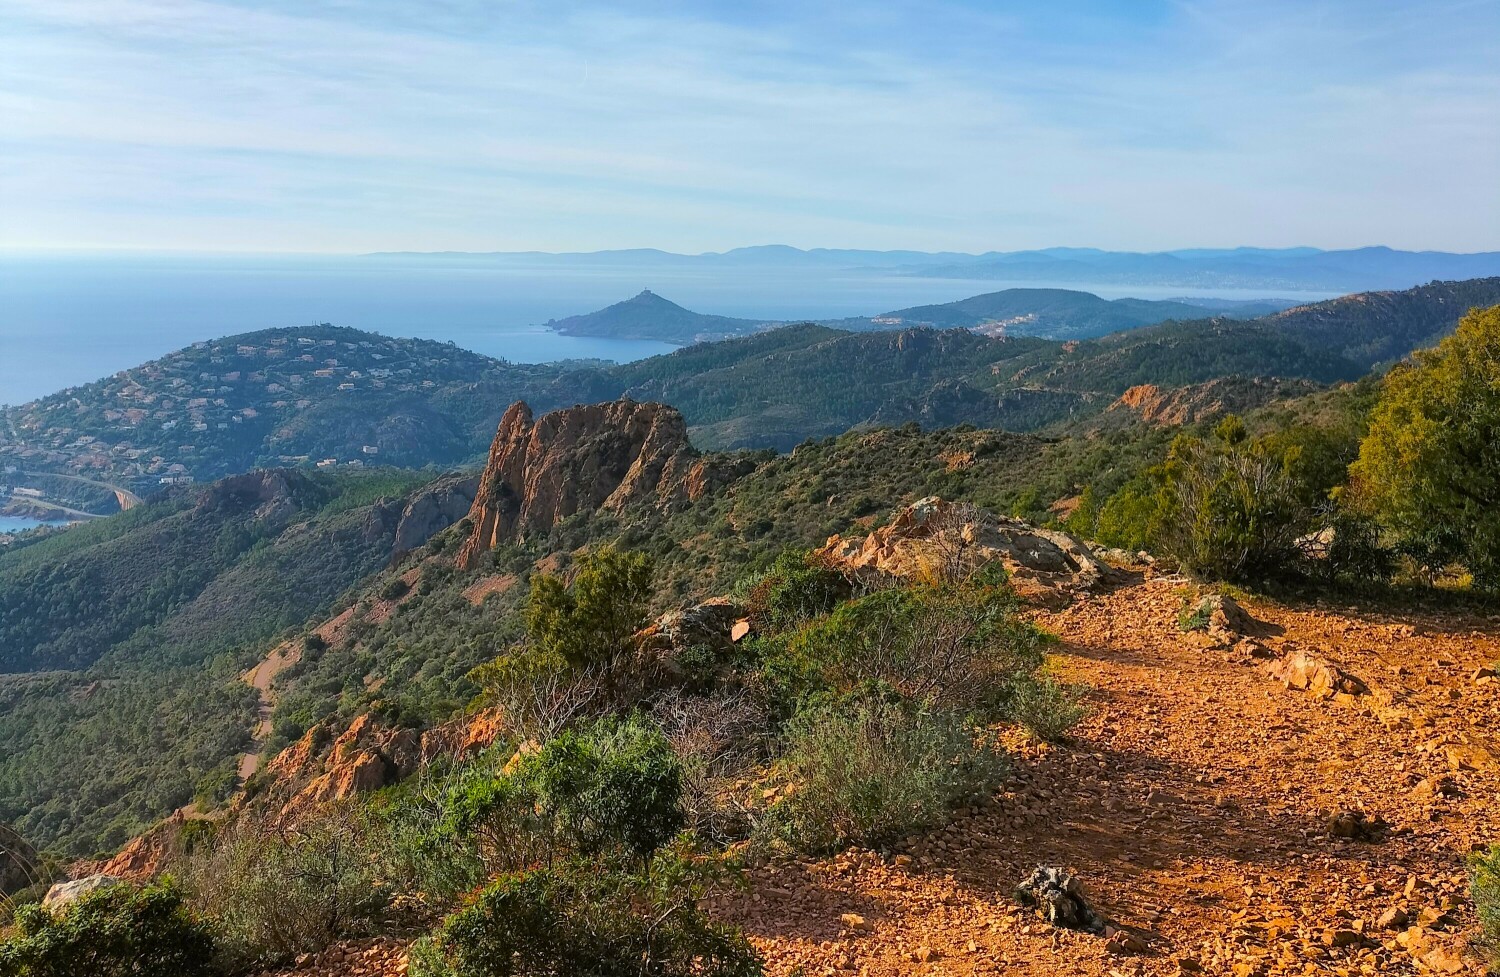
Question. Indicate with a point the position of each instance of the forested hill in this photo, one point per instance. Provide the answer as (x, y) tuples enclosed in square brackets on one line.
[(649, 316), (121, 641), (340, 397), (1053, 313)]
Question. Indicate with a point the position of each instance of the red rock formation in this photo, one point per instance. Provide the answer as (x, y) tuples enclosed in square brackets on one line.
[(585, 458), (936, 540)]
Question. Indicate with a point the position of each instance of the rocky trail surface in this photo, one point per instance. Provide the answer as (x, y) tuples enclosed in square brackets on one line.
[(1195, 803), (1203, 803)]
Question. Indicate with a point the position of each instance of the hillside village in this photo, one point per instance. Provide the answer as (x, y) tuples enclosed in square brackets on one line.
[(185, 416)]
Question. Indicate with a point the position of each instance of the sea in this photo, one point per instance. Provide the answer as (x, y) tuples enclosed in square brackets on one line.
[(15, 524), (71, 318)]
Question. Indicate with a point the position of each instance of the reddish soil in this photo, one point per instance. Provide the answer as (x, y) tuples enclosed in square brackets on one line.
[(1194, 804)]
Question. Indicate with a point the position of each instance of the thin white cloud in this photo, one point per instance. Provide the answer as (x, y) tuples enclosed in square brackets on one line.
[(181, 123)]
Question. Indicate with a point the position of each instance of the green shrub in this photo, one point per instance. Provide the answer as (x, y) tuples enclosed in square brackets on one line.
[(1228, 509), (583, 921), (953, 647), (1046, 707), (1428, 459), (578, 656), (591, 620), (120, 931), (615, 785), (1195, 617), (1355, 552), (1484, 887), (271, 894), (792, 590), (868, 771)]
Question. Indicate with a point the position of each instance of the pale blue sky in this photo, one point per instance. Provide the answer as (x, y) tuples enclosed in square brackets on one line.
[(357, 125)]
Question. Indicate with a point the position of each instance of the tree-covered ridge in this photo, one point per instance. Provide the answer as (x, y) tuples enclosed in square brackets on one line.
[(122, 641), (1053, 313), (344, 397)]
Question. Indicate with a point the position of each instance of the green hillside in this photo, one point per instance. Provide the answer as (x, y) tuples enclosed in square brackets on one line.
[(121, 640), (341, 398)]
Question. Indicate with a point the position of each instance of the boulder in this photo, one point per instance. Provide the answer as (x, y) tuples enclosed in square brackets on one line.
[(1354, 825), (934, 540), (1058, 897), (1314, 674), (66, 893), (1227, 620)]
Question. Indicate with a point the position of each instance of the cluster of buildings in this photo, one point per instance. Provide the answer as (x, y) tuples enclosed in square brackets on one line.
[(211, 407)]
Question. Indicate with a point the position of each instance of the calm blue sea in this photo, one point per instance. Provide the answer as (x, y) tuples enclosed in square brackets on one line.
[(67, 320), (13, 524)]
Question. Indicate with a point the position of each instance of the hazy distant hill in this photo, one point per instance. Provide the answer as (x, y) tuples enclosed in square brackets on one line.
[(649, 316), (1261, 268), (1053, 313)]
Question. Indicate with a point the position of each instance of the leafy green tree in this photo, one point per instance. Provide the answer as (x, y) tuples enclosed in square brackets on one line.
[(1430, 464), (593, 619), (114, 932)]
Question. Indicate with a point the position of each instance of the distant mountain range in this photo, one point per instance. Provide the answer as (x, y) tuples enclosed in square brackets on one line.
[(1053, 313), (1292, 269)]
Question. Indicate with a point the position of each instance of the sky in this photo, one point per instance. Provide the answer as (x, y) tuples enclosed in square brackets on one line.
[(365, 125)]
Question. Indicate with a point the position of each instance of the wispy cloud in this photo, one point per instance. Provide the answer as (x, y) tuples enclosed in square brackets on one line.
[(344, 125)]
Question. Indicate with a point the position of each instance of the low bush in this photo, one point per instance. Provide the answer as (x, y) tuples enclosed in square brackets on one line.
[(1484, 888), (272, 894), (1195, 616), (868, 770), (954, 647), (584, 921), (613, 787), (120, 931), (1045, 707), (793, 589)]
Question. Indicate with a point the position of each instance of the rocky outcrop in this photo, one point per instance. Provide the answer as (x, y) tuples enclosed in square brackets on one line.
[(1057, 896), (581, 459), (1175, 406), (712, 626), (433, 509), (65, 893), (272, 494), (18, 868), (943, 541), (366, 756), (1315, 674)]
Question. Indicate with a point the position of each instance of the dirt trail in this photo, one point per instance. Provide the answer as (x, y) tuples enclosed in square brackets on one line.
[(1193, 802)]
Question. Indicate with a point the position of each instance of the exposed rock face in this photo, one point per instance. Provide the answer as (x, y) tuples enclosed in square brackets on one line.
[(936, 540), (272, 494), (66, 893), (1175, 406), (434, 509), (581, 459), (711, 625), (146, 854), (368, 755), (17, 862)]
